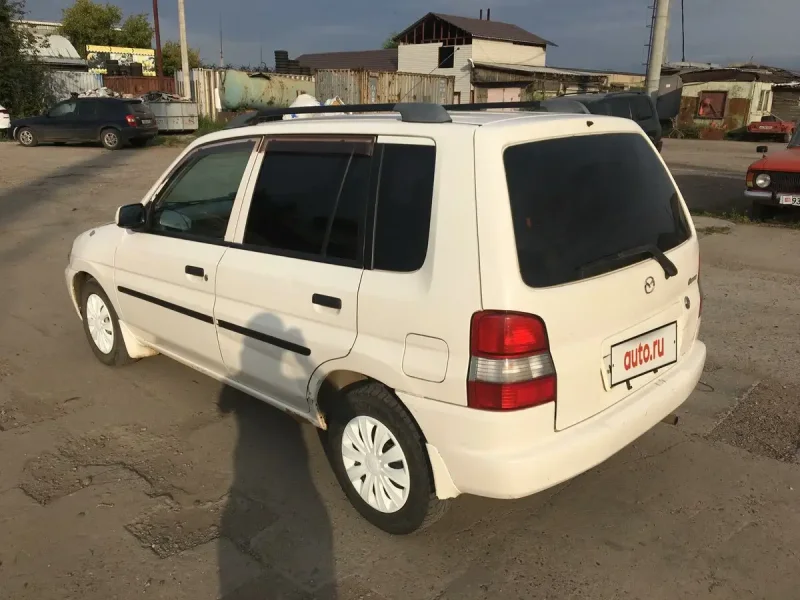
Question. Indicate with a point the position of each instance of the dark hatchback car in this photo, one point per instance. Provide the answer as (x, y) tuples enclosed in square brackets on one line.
[(110, 121), (637, 106)]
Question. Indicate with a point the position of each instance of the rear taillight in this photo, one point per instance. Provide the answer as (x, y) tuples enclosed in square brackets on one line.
[(510, 365), (131, 120), (3, 111)]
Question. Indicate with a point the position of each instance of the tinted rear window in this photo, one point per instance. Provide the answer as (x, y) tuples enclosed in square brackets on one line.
[(578, 201), (138, 108)]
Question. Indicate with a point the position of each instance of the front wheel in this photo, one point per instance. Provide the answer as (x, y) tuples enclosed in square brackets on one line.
[(111, 139), (380, 461), (101, 325), (27, 138)]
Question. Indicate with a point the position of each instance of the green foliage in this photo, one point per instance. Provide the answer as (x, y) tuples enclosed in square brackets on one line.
[(207, 125), (136, 32), (390, 42), (23, 81), (171, 58), (88, 22)]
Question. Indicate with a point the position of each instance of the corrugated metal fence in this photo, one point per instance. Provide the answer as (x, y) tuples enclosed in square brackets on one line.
[(369, 87), (205, 85), (63, 83), (140, 85)]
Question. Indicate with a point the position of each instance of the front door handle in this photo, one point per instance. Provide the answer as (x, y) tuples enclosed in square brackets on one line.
[(196, 271), (327, 301)]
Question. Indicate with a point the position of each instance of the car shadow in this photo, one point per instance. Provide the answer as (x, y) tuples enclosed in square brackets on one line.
[(273, 513)]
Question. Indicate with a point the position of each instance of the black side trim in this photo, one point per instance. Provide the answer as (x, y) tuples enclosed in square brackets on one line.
[(168, 305), (267, 339)]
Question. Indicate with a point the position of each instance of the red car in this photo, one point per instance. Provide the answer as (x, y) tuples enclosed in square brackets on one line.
[(772, 127), (774, 180)]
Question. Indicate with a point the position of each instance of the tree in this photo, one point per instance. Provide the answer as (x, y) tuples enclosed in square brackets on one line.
[(171, 58), (390, 42), (23, 82), (136, 32), (88, 22)]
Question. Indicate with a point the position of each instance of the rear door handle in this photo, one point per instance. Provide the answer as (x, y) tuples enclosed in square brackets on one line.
[(196, 271), (327, 301)]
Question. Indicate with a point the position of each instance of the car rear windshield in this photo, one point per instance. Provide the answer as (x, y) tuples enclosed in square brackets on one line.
[(139, 108), (582, 204)]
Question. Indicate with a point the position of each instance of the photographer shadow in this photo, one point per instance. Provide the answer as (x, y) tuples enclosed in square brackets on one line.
[(274, 512)]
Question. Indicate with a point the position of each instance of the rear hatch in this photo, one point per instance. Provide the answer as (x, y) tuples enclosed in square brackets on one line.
[(141, 111), (581, 224)]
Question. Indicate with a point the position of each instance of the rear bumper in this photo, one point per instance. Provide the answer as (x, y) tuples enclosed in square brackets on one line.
[(139, 133), (516, 454)]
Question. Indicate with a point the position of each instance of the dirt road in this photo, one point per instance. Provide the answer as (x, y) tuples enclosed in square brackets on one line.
[(153, 481)]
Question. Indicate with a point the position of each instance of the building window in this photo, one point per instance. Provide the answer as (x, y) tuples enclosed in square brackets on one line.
[(712, 105), (447, 57)]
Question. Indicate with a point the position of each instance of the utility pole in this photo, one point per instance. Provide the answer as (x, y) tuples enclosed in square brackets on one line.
[(187, 85), (221, 55), (658, 43), (157, 31), (683, 32)]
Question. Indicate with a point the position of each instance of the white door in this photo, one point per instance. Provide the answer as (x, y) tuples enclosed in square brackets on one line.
[(166, 274), (287, 292)]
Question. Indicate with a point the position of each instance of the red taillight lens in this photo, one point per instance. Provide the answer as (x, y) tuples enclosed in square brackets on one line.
[(502, 334), (3, 111), (511, 366), (131, 120)]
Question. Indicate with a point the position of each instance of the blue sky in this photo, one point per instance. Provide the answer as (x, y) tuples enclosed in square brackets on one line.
[(591, 34)]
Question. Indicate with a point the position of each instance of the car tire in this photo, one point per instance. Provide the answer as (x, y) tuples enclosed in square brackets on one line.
[(140, 142), (111, 139), (761, 212), (401, 498), (101, 325), (26, 137)]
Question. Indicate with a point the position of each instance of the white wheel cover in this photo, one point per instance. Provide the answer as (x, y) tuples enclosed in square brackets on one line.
[(98, 320), (375, 463)]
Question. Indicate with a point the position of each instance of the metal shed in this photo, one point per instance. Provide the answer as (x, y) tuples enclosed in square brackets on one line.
[(378, 87)]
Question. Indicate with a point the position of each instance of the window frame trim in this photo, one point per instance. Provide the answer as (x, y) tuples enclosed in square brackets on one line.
[(176, 170), (244, 213)]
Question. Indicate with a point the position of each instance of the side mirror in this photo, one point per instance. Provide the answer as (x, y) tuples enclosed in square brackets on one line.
[(130, 216), (762, 149)]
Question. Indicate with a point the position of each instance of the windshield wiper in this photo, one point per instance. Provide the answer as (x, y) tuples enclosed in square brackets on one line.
[(670, 270)]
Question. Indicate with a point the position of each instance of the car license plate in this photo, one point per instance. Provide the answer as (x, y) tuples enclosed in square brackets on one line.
[(644, 354), (789, 200), (147, 121), (764, 127)]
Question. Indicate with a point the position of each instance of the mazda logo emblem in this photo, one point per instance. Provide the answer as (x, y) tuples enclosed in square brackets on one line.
[(649, 285)]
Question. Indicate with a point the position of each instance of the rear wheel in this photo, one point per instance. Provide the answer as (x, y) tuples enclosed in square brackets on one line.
[(27, 138), (111, 139), (379, 458)]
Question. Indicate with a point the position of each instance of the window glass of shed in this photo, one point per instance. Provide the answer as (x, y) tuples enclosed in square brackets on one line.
[(403, 217)]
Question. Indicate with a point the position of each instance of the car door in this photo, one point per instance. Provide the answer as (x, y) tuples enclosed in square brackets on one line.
[(642, 112), (165, 275), (88, 122), (61, 122), (287, 291)]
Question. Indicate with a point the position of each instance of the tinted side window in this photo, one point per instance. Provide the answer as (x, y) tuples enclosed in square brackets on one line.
[(64, 109), (642, 109), (587, 205), (87, 109), (108, 110), (199, 198), (311, 199), (403, 213), (620, 107)]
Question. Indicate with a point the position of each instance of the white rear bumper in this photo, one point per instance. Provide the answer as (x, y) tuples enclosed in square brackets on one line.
[(516, 454)]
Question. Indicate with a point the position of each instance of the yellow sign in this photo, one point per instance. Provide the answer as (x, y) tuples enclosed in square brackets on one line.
[(97, 56)]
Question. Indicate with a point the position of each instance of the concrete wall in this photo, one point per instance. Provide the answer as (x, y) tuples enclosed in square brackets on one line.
[(491, 51), (743, 104), (424, 58), (625, 80)]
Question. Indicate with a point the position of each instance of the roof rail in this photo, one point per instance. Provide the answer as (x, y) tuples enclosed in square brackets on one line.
[(410, 112)]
